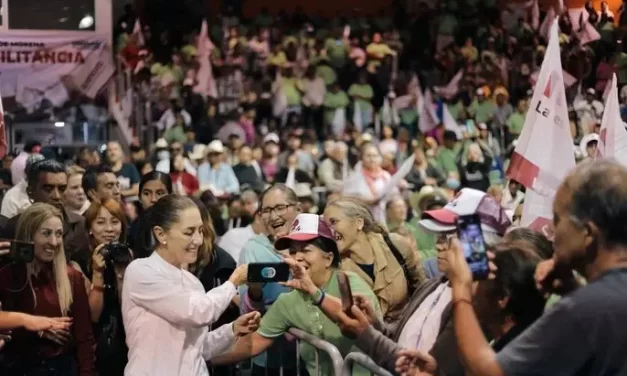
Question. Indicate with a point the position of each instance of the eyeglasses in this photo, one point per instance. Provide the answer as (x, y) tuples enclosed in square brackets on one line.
[(279, 210)]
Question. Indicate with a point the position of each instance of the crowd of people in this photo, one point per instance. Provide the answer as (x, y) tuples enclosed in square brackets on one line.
[(136, 262)]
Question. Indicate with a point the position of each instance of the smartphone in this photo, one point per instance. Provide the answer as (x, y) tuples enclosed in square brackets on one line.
[(345, 292), (268, 272), (21, 251), (471, 238)]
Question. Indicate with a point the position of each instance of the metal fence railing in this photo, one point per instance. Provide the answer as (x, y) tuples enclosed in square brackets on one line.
[(336, 358), (364, 361)]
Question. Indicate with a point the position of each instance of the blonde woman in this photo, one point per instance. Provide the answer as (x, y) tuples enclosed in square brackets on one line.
[(47, 286), (474, 169), (74, 197), (385, 261)]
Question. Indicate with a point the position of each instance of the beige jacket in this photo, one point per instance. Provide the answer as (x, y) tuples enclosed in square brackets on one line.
[(390, 284)]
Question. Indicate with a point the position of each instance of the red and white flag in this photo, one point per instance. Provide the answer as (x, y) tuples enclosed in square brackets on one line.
[(544, 152), (3, 132), (428, 119), (613, 137), (206, 85), (137, 33)]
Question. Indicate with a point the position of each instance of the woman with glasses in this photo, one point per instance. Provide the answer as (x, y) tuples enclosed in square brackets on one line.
[(314, 260)]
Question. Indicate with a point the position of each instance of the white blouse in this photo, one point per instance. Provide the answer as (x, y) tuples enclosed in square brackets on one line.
[(166, 315)]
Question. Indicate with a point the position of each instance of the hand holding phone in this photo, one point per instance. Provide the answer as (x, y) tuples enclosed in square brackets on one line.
[(18, 250), (345, 292), (268, 272), (475, 250)]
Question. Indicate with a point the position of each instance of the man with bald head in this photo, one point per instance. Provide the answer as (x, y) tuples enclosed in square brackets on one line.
[(585, 332)]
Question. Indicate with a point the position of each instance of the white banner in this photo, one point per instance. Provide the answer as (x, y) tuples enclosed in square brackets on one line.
[(50, 65), (613, 137), (544, 152)]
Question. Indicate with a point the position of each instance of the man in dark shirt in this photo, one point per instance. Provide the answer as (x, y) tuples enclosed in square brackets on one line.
[(100, 183), (47, 181), (127, 173), (585, 332)]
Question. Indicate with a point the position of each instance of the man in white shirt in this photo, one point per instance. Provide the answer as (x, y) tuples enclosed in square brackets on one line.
[(16, 199), (234, 240), (19, 163)]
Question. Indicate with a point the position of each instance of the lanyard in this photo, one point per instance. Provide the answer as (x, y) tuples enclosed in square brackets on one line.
[(435, 302)]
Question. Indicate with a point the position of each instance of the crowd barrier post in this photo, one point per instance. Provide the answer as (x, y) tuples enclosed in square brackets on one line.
[(364, 361), (320, 345)]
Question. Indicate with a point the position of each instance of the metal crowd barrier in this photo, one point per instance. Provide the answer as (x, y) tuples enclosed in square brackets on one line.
[(364, 361), (320, 345)]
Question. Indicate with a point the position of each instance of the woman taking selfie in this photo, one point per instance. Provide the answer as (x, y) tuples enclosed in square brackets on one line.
[(165, 308), (47, 286), (107, 229), (385, 261), (152, 187), (213, 267), (314, 259)]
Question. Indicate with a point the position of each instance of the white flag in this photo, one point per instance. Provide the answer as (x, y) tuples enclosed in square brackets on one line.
[(535, 15), (545, 28), (450, 124), (450, 90), (544, 152), (137, 33), (206, 85), (613, 137), (428, 119)]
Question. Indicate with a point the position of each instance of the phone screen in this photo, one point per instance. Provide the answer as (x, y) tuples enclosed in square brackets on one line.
[(471, 238), (268, 272)]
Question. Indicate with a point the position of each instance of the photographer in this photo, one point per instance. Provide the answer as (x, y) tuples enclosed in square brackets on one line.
[(107, 226)]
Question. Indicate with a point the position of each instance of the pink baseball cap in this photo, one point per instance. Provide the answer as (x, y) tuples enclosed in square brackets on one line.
[(467, 202), (305, 227)]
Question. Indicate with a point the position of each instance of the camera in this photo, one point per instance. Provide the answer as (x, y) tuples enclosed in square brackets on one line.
[(116, 251)]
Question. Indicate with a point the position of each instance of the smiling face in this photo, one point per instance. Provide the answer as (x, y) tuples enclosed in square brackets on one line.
[(106, 228), (346, 229), (180, 243), (278, 213), (48, 239), (312, 258), (371, 158)]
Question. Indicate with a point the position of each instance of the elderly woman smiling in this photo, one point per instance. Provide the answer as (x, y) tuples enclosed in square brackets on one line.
[(314, 260)]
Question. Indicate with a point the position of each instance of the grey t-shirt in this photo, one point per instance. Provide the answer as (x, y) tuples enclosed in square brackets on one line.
[(585, 333)]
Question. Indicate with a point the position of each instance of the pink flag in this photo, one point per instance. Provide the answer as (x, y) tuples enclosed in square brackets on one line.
[(544, 152), (428, 118), (613, 137), (3, 132), (206, 85), (451, 89), (137, 33)]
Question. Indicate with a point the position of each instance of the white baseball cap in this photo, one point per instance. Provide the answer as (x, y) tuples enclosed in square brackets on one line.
[(467, 202)]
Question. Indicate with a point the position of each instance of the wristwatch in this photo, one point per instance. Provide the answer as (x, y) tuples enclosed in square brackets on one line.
[(318, 297)]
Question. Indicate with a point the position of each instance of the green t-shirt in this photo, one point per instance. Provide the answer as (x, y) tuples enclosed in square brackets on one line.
[(448, 24), (621, 62), (362, 91), (291, 92), (333, 101), (455, 109), (515, 122), (327, 74), (336, 51), (175, 134), (425, 241), (482, 111), (446, 159), (296, 310)]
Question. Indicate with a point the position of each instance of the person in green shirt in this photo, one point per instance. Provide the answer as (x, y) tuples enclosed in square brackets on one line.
[(446, 156), (361, 93), (176, 133), (334, 99), (516, 120), (481, 108), (314, 261)]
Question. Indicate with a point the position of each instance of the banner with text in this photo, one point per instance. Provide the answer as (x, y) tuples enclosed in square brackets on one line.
[(51, 65)]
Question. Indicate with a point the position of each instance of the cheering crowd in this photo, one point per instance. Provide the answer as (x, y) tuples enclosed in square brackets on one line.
[(340, 147)]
